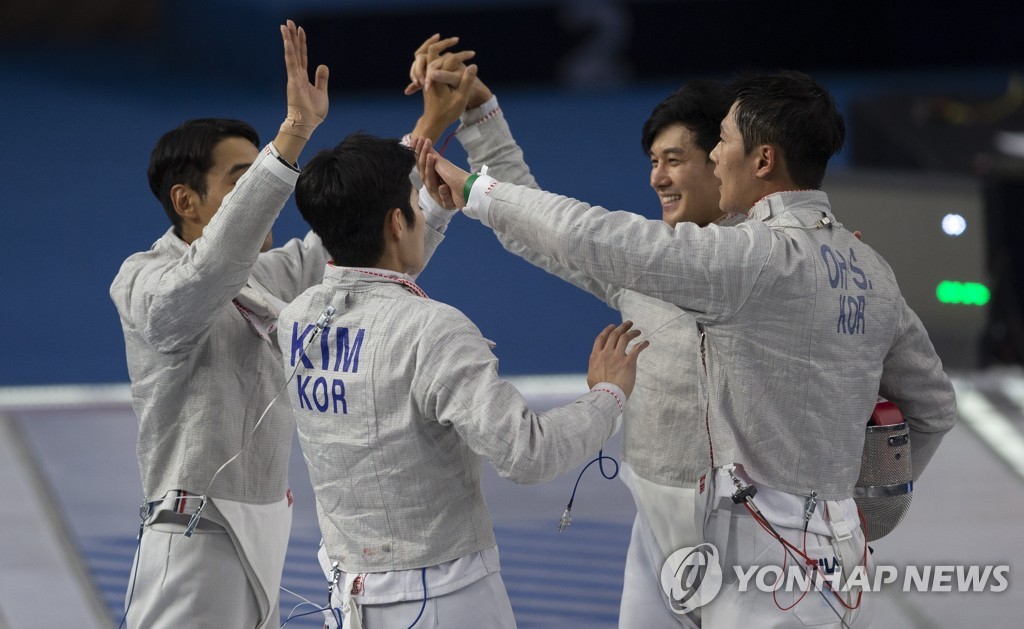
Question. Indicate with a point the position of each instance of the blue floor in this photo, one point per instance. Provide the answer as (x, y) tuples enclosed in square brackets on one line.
[(568, 579)]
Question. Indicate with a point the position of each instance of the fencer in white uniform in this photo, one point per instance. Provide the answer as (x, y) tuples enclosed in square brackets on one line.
[(398, 401), (664, 451), (802, 327), (198, 311)]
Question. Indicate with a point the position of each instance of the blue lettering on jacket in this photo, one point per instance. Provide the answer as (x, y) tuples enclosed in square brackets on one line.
[(862, 281), (299, 342), (346, 358), (851, 314), (346, 349), (322, 395), (303, 396), (841, 269), (836, 266)]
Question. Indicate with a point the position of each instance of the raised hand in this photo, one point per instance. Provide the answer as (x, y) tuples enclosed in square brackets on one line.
[(438, 173), (611, 362), (443, 103), (428, 51), (447, 70), (307, 102), (438, 190), (427, 70)]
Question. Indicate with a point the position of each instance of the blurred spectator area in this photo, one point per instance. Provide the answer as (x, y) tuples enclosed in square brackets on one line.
[(951, 131), (932, 96), (564, 42), (608, 41), (76, 22)]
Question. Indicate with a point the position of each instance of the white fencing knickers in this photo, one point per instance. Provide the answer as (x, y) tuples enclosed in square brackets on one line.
[(663, 525), (227, 574), (197, 582), (445, 600), (756, 599)]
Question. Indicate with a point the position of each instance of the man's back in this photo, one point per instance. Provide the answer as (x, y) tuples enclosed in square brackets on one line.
[(792, 400), (395, 404), (391, 480)]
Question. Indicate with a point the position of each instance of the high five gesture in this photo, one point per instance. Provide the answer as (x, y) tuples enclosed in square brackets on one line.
[(307, 102)]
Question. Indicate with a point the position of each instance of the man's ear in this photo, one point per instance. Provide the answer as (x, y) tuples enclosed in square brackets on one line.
[(184, 200), (768, 161), (396, 223)]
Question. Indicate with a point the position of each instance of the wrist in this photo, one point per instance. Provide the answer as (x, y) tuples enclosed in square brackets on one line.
[(429, 127), (292, 166), (483, 111), (476, 99), (299, 124), (467, 185), (612, 389), (436, 215), (477, 205)]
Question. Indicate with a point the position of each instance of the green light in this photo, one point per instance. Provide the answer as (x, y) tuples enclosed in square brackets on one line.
[(965, 293)]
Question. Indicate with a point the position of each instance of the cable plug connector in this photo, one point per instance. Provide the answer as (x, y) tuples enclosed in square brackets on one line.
[(333, 582), (565, 520), (194, 522), (145, 509), (809, 505), (325, 318), (744, 495)]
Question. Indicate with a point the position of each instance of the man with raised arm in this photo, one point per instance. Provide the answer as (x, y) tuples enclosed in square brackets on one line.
[(198, 310), (802, 328), (398, 401), (664, 445)]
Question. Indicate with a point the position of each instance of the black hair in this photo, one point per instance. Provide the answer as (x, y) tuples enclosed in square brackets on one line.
[(700, 105), (794, 113), (185, 156), (346, 193)]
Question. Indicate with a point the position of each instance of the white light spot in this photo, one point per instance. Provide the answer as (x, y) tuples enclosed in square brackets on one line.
[(953, 224)]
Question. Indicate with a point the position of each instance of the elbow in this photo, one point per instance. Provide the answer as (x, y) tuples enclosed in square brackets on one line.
[(526, 473), (166, 339)]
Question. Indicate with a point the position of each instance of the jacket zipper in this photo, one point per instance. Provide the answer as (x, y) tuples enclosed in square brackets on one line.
[(707, 407)]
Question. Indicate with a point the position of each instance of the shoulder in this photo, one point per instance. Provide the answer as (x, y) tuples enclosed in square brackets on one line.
[(140, 265), (441, 315), (161, 252), (439, 324), (746, 245), (304, 305)]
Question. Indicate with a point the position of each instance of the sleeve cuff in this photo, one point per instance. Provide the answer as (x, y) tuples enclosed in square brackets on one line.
[(475, 116), (620, 399), (272, 161), (479, 202), (436, 216), (470, 121)]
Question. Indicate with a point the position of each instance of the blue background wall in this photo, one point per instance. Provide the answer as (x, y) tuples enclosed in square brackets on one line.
[(80, 120), (77, 204)]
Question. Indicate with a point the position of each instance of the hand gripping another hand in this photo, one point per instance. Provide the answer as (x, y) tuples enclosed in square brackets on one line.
[(445, 101)]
